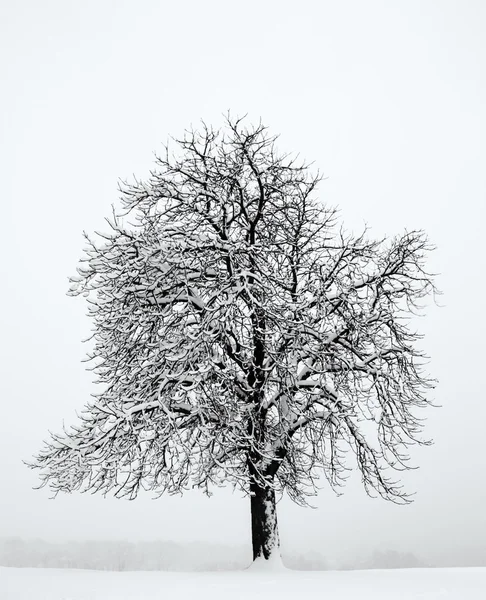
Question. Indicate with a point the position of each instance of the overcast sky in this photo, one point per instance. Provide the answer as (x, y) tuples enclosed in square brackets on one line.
[(388, 98)]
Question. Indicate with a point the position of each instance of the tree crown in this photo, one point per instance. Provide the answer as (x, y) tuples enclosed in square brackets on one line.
[(240, 335)]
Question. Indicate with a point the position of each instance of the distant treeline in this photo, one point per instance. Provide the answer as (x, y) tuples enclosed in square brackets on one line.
[(166, 556), (121, 555), (195, 556)]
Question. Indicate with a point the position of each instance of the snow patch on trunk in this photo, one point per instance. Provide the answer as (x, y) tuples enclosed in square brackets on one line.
[(271, 521)]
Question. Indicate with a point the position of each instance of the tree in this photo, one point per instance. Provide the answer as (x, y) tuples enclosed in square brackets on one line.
[(240, 336)]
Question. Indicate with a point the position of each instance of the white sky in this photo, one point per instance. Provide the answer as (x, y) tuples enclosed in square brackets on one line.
[(388, 98)]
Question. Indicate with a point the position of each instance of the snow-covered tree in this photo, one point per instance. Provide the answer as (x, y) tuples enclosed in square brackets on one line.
[(241, 337)]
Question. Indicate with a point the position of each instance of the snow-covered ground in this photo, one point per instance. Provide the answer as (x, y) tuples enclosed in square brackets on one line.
[(404, 584)]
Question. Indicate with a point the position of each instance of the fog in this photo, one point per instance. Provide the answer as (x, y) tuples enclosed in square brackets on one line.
[(123, 555), (387, 99)]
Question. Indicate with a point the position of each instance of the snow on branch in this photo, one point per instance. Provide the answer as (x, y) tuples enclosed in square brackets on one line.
[(240, 335)]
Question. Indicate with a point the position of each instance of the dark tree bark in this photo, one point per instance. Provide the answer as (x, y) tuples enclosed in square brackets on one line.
[(264, 526)]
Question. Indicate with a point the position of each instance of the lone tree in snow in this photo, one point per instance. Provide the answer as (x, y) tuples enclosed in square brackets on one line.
[(241, 337)]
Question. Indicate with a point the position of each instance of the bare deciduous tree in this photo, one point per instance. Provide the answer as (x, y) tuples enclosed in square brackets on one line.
[(240, 336)]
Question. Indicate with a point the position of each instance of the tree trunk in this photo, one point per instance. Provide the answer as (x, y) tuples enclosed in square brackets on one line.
[(264, 529)]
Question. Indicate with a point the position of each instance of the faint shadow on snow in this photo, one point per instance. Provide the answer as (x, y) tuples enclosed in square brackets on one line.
[(272, 565)]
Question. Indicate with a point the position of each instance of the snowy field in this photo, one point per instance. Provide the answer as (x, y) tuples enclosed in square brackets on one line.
[(404, 584)]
